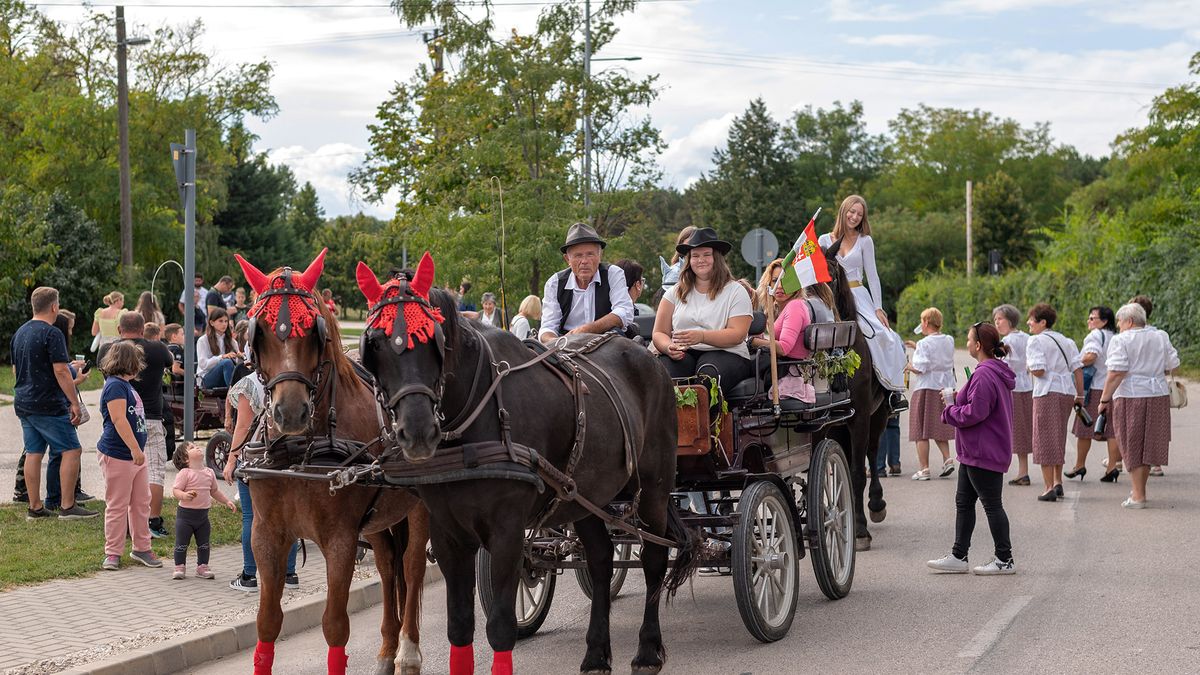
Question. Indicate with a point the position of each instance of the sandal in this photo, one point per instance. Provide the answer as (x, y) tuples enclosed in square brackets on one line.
[(1020, 480), (947, 468), (923, 474)]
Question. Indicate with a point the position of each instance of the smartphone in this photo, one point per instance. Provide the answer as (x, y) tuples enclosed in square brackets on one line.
[(87, 366)]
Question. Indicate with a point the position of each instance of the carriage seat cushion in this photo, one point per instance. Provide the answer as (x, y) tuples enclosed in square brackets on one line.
[(746, 390)]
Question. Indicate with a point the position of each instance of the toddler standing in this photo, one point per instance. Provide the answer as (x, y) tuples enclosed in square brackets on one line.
[(195, 488)]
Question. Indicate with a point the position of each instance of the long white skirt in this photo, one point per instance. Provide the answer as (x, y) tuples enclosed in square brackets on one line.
[(887, 349)]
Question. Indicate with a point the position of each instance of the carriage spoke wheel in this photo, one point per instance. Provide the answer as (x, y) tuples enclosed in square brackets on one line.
[(217, 450), (766, 569), (829, 519), (535, 593), (620, 552)]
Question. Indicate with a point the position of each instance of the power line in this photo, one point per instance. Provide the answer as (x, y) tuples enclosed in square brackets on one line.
[(195, 5)]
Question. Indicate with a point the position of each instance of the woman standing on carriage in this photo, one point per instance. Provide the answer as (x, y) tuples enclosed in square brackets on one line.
[(702, 321), (857, 256)]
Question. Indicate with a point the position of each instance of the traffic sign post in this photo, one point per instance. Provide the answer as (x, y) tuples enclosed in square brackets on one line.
[(759, 247), (183, 157)]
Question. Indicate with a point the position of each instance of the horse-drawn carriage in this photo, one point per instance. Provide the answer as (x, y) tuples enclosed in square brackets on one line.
[(494, 439), (209, 416), (763, 484)]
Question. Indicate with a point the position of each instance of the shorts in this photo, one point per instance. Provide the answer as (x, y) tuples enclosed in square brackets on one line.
[(156, 452), (54, 431)]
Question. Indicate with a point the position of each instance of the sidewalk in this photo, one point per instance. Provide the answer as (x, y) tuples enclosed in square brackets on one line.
[(62, 624)]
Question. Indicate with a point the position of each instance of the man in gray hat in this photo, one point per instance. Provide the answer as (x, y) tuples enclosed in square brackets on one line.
[(589, 296)]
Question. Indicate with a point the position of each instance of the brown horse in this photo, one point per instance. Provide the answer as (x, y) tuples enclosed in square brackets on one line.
[(296, 345)]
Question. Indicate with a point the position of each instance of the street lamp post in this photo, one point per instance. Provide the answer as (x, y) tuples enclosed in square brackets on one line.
[(587, 113), (123, 44)]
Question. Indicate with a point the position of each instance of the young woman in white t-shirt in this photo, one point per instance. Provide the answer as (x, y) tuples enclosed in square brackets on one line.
[(933, 370), (702, 322)]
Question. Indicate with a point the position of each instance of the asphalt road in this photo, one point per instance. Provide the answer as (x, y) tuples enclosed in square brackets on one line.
[(1099, 589)]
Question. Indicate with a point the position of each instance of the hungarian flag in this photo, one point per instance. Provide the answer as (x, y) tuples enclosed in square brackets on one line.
[(805, 263)]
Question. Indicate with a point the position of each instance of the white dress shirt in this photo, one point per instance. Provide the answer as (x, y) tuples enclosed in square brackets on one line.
[(934, 358), (205, 359), (1145, 355), (1097, 343), (1042, 354), (1017, 343), (583, 303)]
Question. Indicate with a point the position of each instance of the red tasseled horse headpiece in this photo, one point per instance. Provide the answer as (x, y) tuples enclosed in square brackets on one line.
[(419, 319), (303, 311)]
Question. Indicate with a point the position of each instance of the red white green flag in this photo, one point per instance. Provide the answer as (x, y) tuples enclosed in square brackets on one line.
[(805, 264)]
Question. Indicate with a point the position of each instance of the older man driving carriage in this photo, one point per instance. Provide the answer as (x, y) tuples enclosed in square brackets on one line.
[(589, 296)]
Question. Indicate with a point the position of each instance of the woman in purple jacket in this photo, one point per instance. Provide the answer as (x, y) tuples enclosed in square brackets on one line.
[(981, 415)]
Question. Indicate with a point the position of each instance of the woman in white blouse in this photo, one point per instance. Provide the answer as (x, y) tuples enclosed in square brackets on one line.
[(1136, 398), (488, 315), (531, 309), (1007, 318), (1102, 325), (217, 352), (1053, 360), (857, 257), (933, 370), (702, 321)]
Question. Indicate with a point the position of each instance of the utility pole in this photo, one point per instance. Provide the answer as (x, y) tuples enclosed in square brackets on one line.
[(435, 50), (970, 243), (587, 115), (123, 151)]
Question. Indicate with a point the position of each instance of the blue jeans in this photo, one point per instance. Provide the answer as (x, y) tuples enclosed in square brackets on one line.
[(249, 568), (219, 375), (889, 446)]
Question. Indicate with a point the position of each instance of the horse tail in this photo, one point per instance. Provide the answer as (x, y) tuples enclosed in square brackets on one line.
[(687, 561)]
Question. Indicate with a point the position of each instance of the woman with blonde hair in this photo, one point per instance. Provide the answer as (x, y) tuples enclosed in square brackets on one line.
[(530, 309), (856, 253), (148, 307), (104, 319)]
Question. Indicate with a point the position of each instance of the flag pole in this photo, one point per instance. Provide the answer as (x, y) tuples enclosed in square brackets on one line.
[(771, 325), (796, 246)]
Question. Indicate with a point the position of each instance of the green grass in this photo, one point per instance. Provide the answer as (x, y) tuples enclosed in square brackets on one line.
[(348, 333), (8, 380), (38, 551)]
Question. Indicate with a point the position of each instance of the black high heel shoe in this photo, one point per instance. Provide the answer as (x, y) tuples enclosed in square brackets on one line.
[(1058, 491), (1111, 476), (1081, 472), (1049, 496)]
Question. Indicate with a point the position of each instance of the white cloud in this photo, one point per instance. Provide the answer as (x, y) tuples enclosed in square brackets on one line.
[(918, 40)]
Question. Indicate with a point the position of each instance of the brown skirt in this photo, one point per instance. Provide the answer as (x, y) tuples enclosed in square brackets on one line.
[(925, 417), (1081, 430), (1143, 430), (1022, 422), (1050, 416)]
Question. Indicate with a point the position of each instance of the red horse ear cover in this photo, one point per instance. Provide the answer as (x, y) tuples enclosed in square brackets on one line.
[(423, 278), (254, 277), (367, 283), (313, 274)]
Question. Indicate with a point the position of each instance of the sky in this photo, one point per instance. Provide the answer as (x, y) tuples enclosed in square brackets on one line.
[(1090, 68)]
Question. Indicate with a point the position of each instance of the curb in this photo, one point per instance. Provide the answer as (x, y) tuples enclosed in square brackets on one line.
[(191, 650)]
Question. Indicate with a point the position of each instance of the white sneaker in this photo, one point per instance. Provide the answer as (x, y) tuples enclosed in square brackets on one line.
[(997, 566), (1129, 503), (947, 468), (949, 564), (923, 474)]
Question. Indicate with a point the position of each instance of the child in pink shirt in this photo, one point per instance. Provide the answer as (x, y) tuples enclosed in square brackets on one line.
[(195, 488)]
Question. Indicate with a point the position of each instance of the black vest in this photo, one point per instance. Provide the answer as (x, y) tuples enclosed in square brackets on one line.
[(566, 296)]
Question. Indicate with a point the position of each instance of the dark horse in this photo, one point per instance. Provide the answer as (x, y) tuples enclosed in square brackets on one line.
[(308, 376), (447, 373), (868, 396)]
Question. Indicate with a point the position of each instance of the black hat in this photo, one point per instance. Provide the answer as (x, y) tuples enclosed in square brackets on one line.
[(704, 237), (580, 233)]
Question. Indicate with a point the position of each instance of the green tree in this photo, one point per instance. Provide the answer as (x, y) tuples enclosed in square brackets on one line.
[(1003, 223), (304, 214), (351, 239), (908, 245), (505, 125), (751, 185), (832, 153), (254, 220)]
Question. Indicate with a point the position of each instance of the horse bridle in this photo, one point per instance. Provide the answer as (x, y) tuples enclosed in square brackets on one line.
[(283, 329)]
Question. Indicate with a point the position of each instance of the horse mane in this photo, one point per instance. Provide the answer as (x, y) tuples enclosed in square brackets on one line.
[(447, 303), (341, 362)]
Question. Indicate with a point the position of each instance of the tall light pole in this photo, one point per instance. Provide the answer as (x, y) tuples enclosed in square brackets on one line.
[(123, 44), (587, 113)]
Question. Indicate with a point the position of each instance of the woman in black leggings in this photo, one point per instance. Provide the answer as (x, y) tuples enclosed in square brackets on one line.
[(981, 415), (701, 324)]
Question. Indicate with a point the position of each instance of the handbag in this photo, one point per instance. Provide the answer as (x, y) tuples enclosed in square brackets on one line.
[(1080, 411), (95, 343), (1178, 393)]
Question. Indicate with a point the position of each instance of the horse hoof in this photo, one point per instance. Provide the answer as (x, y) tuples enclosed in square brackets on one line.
[(879, 516), (862, 544), (646, 669), (385, 667)]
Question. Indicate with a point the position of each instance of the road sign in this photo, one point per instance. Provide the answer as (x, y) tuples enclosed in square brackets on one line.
[(759, 247)]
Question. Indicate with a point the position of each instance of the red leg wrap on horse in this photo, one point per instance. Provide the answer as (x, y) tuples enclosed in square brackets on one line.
[(502, 663), (462, 660), (264, 658), (337, 660)]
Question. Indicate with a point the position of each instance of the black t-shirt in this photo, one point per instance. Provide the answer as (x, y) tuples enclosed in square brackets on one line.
[(149, 382), (214, 299), (36, 347), (176, 353)]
